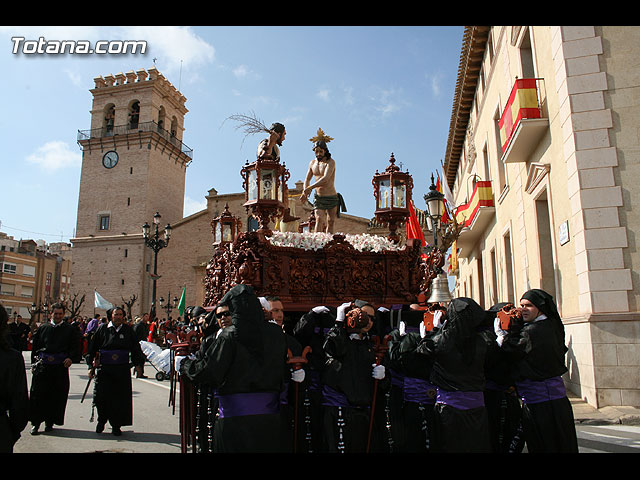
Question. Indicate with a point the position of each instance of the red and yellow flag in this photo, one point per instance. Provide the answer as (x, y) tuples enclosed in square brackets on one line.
[(523, 103)]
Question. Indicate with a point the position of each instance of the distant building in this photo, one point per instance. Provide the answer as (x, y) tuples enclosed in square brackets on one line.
[(31, 276)]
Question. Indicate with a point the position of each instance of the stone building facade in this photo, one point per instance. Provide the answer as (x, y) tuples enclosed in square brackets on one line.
[(546, 118)]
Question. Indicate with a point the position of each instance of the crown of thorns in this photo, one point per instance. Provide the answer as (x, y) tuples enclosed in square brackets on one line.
[(321, 137)]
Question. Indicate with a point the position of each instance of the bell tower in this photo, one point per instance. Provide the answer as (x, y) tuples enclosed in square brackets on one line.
[(133, 165)]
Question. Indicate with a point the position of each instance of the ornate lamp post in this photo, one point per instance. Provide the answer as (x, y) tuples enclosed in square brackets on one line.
[(170, 305), (225, 228), (156, 244), (435, 209), (265, 185), (392, 190), (38, 309)]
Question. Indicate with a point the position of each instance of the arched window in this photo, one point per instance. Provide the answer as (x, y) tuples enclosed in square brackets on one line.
[(134, 114), (161, 118), (109, 119)]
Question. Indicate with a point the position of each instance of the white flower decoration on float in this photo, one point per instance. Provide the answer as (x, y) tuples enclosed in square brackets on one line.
[(316, 241)]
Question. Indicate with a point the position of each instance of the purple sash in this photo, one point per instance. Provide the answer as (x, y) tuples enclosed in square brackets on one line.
[(418, 390), (114, 357), (460, 400), (531, 391), (242, 404), (333, 398), (52, 358)]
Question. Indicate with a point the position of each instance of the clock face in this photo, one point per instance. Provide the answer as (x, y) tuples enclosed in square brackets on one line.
[(110, 159)]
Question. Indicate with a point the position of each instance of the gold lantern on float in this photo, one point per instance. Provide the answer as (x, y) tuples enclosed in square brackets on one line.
[(265, 186), (392, 190), (225, 228)]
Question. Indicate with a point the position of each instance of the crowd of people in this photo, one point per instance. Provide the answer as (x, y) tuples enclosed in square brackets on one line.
[(357, 378), (350, 379)]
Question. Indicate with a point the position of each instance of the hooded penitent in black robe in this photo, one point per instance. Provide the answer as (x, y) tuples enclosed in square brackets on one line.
[(245, 365), (118, 350), (14, 398), (348, 387), (50, 381), (311, 331), (412, 393), (500, 396), (458, 352), (537, 350)]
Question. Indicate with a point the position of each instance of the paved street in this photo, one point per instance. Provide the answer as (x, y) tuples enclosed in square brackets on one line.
[(155, 428)]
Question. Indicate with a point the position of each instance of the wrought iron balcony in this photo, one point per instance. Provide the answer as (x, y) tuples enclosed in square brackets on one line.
[(106, 132)]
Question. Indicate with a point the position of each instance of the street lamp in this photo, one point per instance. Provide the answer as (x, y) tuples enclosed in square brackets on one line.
[(170, 305), (435, 209), (156, 244)]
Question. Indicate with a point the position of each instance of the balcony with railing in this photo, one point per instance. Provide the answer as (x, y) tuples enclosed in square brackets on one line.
[(522, 124), (109, 132), (475, 216)]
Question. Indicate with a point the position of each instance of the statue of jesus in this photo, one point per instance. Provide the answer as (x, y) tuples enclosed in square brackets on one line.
[(327, 202)]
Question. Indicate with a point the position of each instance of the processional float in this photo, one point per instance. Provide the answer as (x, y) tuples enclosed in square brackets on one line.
[(306, 270)]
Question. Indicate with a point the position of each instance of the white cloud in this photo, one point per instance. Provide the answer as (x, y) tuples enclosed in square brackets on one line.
[(55, 155), (192, 206), (323, 95), (240, 71), (172, 46), (434, 81)]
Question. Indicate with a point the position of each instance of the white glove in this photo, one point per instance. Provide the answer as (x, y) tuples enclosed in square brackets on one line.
[(402, 328), (265, 303), (341, 312), (298, 375), (383, 309), (378, 372), (500, 334), (320, 309), (436, 319), (423, 330), (178, 361)]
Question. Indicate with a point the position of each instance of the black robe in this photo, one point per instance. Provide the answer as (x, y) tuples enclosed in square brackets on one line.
[(112, 394), (246, 362), (537, 351), (50, 380), (311, 331), (458, 352), (414, 399), (14, 399), (349, 388)]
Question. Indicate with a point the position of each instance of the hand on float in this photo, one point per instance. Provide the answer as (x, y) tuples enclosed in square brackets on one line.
[(342, 311), (500, 333)]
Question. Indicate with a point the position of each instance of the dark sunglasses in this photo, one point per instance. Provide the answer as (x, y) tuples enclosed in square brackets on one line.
[(223, 314)]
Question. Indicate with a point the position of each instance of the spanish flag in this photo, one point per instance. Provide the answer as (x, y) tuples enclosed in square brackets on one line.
[(482, 197), (523, 103), (445, 215), (413, 226)]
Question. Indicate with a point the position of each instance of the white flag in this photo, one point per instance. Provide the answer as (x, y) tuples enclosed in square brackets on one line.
[(100, 302), (446, 190)]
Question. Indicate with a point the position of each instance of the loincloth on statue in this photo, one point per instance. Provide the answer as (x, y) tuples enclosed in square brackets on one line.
[(327, 202)]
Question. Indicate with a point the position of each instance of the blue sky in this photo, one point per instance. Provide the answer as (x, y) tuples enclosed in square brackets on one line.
[(376, 90)]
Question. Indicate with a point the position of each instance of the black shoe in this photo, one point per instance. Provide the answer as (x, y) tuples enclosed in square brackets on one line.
[(116, 431), (99, 427), (34, 429), (48, 427)]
